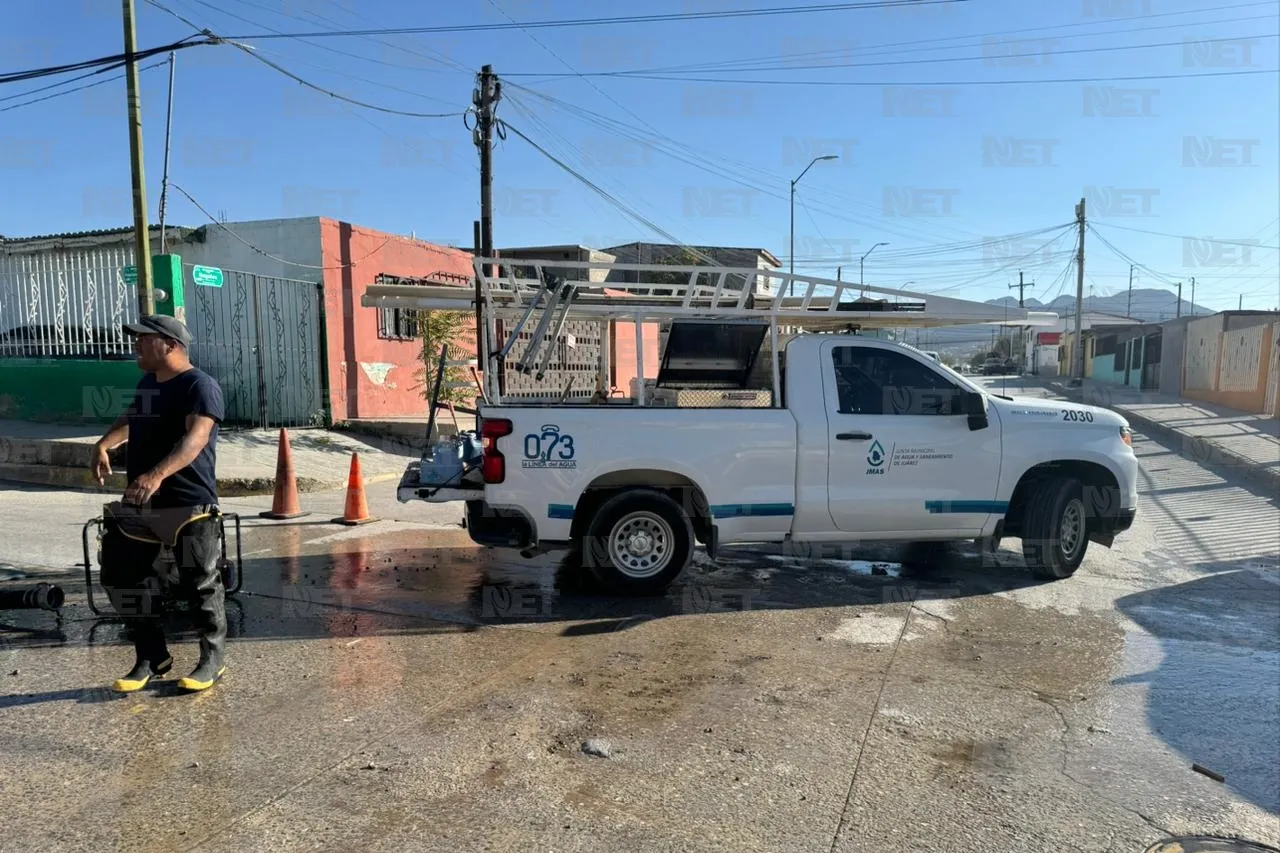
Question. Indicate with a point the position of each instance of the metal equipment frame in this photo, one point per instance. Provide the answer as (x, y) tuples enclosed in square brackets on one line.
[(224, 564)]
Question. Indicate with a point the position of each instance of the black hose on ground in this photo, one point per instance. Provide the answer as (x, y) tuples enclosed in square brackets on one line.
[(42, 596)]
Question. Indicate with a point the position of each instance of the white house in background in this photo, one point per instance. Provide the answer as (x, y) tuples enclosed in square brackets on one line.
[(728, 256), (1043, 343)]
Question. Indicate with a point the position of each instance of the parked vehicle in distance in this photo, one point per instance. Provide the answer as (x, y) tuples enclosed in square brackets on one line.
[(993, 367)]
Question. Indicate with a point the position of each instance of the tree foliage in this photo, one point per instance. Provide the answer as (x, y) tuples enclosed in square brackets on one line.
[(437, 329)]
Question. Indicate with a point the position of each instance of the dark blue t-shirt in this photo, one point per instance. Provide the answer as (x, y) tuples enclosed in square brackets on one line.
[(157, 424)]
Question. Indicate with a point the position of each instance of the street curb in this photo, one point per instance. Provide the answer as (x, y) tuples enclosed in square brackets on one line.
[(81, 479), (1201, 450)]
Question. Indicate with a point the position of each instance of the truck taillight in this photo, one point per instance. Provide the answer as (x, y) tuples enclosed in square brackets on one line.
[(493, 465)]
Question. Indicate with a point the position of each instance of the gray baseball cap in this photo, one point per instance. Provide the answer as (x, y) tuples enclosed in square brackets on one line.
[(160, 324)]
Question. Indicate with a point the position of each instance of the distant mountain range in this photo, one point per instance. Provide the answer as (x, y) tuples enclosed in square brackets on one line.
[(1149, 305)]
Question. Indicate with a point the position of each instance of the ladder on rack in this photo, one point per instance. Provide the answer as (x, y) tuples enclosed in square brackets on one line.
[(649, 294)]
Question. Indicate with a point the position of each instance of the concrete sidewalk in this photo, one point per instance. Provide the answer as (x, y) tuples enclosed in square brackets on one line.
[(60, 455), (1212, 435)]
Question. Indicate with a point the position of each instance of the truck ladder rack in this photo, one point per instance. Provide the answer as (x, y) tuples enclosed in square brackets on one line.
[(640, 293), (728, 293)]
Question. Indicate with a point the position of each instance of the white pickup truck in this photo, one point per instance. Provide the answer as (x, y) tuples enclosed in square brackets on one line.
[(854, 438), (874, 441)]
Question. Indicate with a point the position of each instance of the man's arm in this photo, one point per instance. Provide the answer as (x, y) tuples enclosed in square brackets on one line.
[(117, 434), (199, 428)]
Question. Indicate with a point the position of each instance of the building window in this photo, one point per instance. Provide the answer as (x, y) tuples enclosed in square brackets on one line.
[(397, 324)]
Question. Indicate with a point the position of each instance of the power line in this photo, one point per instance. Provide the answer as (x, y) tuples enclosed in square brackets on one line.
[(1190, 237), (253, 53), (267, 254), (950, 83), (56, 85), (1164, 278), (103, 63), (657, 229), (892, 47), (75, 89), (790, 66), (334, 50), (717, 164), (532, 117), (629, 19)]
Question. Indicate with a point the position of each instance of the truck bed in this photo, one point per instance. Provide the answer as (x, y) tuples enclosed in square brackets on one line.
[(553, 454)]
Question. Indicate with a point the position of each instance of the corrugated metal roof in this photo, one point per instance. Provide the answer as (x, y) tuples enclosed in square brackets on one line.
[(76, 235)]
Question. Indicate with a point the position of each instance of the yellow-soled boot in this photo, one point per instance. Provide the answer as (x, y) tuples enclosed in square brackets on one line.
[(141, 674), (204, 675)]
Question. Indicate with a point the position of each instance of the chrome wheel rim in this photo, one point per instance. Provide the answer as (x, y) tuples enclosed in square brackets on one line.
[(640, 544), (1071, 531)]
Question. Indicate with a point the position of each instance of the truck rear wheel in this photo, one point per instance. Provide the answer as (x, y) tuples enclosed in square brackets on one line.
[(1055, 528), (639, 541)]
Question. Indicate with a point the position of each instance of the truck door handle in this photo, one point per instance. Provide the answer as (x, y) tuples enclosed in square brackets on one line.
[(853, 436)]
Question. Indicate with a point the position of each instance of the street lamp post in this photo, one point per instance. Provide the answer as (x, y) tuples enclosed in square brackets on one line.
[(791, 291), (862, 284)]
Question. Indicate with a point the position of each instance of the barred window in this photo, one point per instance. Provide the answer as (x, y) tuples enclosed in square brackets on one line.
[(397, 324)]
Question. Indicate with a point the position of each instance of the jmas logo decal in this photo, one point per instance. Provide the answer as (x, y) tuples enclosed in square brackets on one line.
[(875, 458), (550, 449)]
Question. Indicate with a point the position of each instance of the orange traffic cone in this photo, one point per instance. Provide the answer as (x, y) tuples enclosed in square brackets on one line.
[(357, 510), (286, 503)]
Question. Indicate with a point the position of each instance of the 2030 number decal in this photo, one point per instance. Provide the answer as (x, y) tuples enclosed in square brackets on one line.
[(1073, 415)]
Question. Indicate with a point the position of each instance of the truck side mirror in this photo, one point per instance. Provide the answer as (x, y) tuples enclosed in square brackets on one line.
[(975, 408)]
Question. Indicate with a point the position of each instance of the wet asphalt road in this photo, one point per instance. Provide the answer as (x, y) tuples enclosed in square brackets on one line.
[(392, 687)]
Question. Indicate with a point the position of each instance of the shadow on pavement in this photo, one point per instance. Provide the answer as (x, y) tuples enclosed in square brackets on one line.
[(360, 589), (1211, 667)]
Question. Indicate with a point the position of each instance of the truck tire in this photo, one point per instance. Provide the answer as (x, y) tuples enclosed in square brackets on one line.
[(638, 542), (1055, 532)]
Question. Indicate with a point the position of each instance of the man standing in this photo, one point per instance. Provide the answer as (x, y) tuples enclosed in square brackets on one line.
[(172, 499)]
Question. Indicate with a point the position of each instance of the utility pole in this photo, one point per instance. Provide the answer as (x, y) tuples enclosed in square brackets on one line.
[(838, 271), (1193, 296), (1128, 310), (1021, 287), (485, 99), (141, 237), (164, 180), (1240, 304), (1079, 359), (1179, 306)]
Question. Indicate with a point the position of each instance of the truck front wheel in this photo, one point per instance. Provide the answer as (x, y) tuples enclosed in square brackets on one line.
[(1055, 529), (639, 541)]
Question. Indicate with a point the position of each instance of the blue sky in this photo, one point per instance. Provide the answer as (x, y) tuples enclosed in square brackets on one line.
[(934, 158)]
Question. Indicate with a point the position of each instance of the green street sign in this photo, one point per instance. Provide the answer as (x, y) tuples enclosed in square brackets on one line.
[(207, 276), (130, 275)]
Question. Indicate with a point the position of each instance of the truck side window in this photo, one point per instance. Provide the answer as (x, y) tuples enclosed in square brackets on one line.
[(872, 381)]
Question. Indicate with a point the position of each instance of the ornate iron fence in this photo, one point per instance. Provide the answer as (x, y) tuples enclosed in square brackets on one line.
[(260, 336), (66, 304)]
